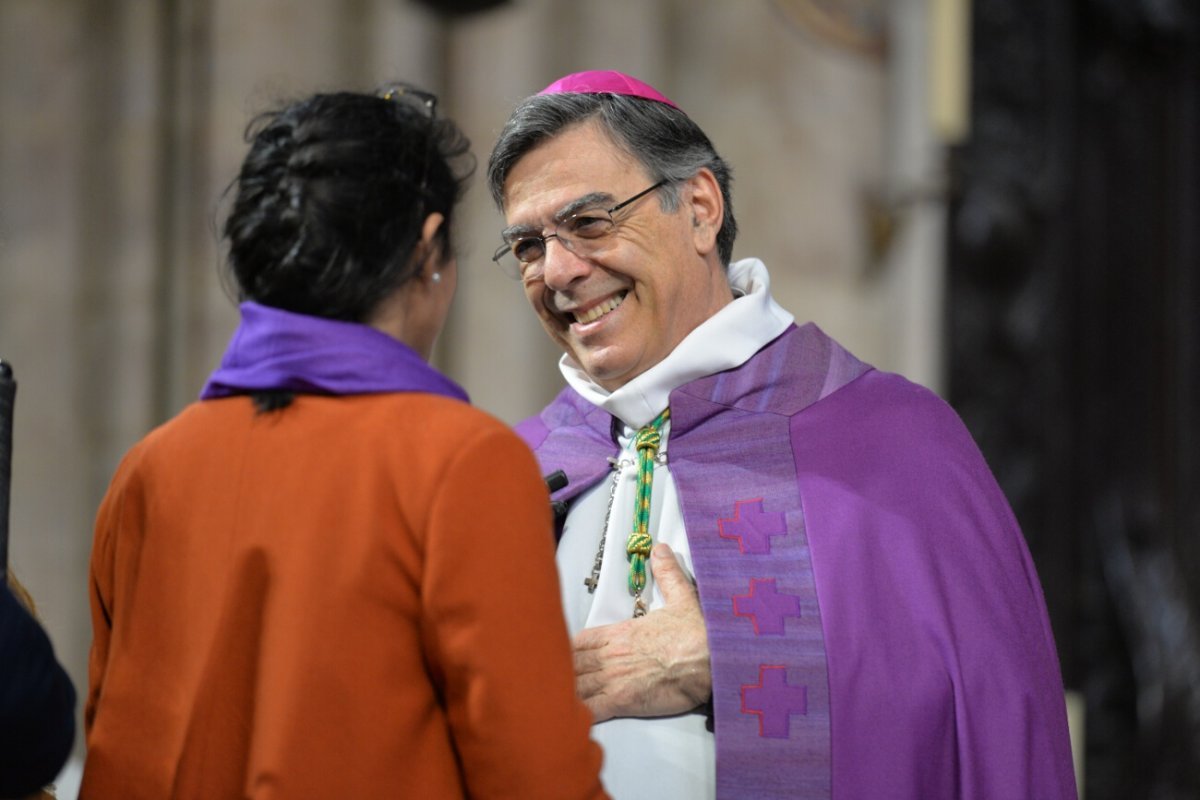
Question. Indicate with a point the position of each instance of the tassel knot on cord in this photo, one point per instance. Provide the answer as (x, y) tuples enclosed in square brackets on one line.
[(637, 547)]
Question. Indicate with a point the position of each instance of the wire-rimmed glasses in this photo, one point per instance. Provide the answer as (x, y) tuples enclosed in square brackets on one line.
[(583, 233)]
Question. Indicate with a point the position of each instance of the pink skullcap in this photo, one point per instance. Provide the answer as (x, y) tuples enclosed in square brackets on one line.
[(599, 81)]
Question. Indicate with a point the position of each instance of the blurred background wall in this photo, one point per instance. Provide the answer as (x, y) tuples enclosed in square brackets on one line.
[(910, 170)]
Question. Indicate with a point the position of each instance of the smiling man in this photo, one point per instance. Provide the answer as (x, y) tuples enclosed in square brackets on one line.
[(787, 574), (626, 305)]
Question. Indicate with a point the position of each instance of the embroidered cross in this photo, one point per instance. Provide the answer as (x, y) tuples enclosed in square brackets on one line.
[(752, 527), (773, 701), (766, 607)]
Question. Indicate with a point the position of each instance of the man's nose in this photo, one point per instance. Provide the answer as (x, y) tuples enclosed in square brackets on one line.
[(561, 266)]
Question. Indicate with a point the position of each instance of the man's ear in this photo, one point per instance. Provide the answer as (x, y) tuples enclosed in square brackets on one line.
[(706, 206)]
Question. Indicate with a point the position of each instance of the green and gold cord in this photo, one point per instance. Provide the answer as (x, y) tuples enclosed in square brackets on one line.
[(646, 444)]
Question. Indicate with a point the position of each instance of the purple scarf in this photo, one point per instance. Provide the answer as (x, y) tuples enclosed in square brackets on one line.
[(274, 349)]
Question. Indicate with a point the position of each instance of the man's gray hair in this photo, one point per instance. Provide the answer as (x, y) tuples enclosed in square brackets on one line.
[(663, 139)]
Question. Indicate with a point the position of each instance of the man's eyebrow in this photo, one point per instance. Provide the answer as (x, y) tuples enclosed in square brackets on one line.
[(577, 205), (574, 207)]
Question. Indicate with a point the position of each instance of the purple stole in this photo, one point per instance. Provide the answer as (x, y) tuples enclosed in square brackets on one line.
[(730, 454), (277, 350)]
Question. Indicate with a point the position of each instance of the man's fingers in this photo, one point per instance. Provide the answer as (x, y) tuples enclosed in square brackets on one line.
[(590, 638), (592, 688), (588, 661), (600, 706), (588, 685), (591, 647), (672, 581)]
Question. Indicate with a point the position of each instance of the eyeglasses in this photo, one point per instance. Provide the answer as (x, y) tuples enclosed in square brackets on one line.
[(583, 233), (425, 102)]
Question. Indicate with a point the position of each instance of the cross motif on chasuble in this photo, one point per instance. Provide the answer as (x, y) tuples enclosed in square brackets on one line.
[(752, 527), (774, 701), (766, 607)]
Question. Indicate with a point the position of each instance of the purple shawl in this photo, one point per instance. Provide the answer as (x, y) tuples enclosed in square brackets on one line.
[(276, 349), (876, 625)]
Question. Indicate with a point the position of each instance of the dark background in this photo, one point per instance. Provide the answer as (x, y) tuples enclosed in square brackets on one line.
[(1074, 328)]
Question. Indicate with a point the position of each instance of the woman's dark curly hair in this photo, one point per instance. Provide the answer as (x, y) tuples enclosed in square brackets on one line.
[(332, 195)]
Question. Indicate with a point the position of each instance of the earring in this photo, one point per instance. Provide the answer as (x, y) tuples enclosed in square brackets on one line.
[(436, 277)]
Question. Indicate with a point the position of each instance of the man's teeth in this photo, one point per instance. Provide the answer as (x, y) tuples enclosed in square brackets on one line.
[(596, 312)]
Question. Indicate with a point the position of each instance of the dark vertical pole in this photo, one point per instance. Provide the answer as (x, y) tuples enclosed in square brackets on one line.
[(8, 392)]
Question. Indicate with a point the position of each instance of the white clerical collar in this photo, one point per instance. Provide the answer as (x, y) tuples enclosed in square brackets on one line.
[(725, 340)]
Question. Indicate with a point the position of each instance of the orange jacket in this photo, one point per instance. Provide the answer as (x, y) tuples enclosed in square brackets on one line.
[(351, 597)]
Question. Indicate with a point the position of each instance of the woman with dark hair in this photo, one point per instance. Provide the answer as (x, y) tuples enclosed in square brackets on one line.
[(294, 590)]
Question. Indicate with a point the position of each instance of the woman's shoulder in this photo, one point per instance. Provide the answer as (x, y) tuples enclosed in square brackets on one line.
[(429, 409), (432, 418)]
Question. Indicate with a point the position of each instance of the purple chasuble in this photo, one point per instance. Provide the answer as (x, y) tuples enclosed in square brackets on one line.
[(273, 349), (876, 625)]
